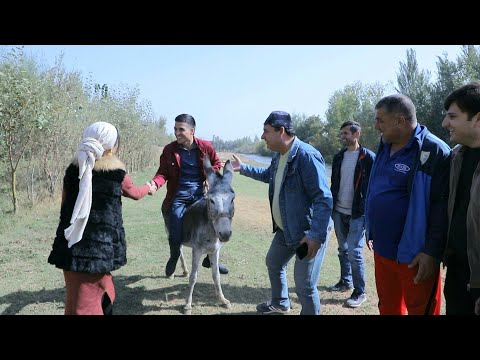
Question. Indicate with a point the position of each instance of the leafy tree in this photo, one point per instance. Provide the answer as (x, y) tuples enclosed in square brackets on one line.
[(261, 149), (66, 96), (468, 64), (23, 109), (311, 129), (370, 95), (415, 83), (354, 102), (218, 143), (449, 78), (342, 106)]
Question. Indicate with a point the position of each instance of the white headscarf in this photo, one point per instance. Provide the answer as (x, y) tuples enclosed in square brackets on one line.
[(97, 138)]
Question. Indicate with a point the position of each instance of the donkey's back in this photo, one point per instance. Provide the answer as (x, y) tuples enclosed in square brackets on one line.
[(198, 231)]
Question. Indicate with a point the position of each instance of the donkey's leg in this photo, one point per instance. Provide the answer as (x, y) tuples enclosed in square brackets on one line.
[(193, 279), (216, 279), (184, 263)]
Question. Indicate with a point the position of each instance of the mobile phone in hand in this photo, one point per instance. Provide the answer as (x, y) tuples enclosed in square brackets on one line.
[(302, 250)]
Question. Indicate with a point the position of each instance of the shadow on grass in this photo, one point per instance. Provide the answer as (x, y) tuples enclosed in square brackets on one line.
[(20, 299), (169, 296), (325, 300), (131, 299)]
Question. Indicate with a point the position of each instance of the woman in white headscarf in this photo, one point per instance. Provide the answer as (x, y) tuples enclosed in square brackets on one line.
[(90, 239)]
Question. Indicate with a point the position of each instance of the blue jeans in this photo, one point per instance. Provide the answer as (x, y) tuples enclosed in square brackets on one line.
[(306, 273), (350, 236), (175, 221)]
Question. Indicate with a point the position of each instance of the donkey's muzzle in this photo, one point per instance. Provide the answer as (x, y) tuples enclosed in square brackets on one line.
[(224, 236)]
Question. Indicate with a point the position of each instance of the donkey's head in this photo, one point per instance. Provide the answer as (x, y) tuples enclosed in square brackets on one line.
[(220, 197)]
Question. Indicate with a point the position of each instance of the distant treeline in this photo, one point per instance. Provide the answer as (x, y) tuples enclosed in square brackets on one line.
[(357, 102), (43, 113), (244, 145), (44, 110)]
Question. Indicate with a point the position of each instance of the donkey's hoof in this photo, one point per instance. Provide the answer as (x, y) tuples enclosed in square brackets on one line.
[(186, 274), (170, 277), (187, 310), (227, 304)]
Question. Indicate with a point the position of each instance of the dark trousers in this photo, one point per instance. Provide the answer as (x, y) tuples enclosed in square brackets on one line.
[(458, 299), (174, 221)]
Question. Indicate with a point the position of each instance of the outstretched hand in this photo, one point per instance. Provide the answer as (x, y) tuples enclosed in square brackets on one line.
[(236, 163)]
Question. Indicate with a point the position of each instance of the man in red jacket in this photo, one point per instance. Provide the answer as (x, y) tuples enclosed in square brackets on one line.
[(181, 167)]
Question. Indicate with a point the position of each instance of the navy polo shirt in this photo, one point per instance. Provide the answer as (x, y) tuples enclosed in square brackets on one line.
[(389, 198), (190, 182)]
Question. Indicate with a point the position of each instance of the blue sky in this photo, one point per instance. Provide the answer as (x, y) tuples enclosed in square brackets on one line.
[(231, 89)]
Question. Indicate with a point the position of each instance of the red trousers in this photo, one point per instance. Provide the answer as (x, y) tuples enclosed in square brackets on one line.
[(85, 292), (398, 294)]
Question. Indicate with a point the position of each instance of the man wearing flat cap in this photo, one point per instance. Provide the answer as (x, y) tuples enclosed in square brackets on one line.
[(301, 206)]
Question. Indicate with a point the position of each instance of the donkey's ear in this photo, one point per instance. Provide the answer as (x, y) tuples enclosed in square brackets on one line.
[(207, 165), (228, 171)]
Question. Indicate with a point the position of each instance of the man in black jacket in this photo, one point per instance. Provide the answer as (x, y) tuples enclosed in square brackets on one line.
[(350, 174)]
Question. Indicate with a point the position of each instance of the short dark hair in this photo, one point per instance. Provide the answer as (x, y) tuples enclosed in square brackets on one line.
[(278, 119), (398, 104), (467, 99), (354, 126), (185, 118)]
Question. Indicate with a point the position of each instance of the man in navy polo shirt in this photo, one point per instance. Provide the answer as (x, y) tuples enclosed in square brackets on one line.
[(406, 210)]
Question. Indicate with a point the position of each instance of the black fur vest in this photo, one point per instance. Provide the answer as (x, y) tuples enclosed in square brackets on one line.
[(103, 247)]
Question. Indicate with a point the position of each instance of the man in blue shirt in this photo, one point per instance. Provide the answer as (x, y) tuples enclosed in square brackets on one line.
[(301, 206), (406, 210)]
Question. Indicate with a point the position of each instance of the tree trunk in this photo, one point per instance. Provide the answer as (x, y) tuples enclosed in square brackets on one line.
[(14, 191), (32, 183)]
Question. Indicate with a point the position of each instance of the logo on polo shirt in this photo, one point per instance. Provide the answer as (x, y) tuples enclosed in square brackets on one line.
[(424, 155), (402, 168)]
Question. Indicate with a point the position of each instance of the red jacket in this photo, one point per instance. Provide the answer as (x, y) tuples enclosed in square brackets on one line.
[(170, 163)]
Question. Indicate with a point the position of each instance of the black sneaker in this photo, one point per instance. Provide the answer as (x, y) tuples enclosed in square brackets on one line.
[(341, 286), (267, 308), (222, 268)]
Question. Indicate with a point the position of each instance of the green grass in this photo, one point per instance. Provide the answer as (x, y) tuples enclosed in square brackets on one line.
[(32, 286)]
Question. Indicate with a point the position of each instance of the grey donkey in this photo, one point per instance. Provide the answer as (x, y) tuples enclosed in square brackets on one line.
[(207, 224)]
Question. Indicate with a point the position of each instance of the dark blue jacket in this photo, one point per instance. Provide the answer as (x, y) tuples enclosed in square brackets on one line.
[(426, 224), (360, 179)]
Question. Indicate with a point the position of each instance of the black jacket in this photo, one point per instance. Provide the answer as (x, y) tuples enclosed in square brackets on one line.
[(103, 247), (360, 179)]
